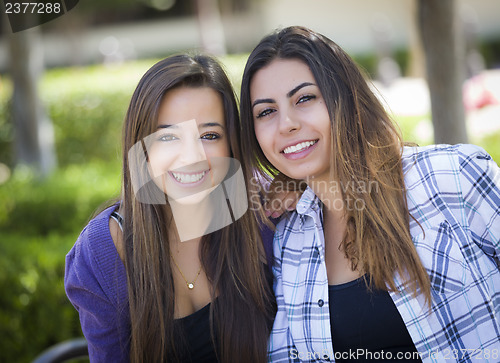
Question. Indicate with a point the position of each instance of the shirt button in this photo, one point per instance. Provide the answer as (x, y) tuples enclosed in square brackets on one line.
[(321, 302)]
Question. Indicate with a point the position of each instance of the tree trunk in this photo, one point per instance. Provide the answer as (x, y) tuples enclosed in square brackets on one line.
[(210, 24), (442, 41), (33, 131), (416, 59)]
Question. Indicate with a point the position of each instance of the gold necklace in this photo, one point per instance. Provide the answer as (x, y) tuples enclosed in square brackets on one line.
[(190, 285)]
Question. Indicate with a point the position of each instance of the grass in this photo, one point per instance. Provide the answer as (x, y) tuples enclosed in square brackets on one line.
[(418, 129)]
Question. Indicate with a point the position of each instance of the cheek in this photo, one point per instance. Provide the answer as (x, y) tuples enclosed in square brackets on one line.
[(219, 167), (160, 160), (218, 159), (325, 117), (217, 150), (264, 138)]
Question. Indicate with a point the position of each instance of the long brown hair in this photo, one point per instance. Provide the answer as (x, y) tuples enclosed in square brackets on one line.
[(366, 151), (231, 257)]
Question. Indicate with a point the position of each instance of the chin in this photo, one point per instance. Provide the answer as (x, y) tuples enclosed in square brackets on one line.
[(191, 199), (294, 173)]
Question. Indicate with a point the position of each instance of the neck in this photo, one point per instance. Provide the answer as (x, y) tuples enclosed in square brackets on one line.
[(338, 266), (191, 220), (205, 216), (329, 191)]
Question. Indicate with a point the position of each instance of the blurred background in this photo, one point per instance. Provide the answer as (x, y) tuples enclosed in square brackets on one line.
[(65, 87)]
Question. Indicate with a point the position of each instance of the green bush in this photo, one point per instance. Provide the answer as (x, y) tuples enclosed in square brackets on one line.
[(59, 204), (6, 134), (87, 107), (490, 49), (39, 224), (40, 220), (35, 312)]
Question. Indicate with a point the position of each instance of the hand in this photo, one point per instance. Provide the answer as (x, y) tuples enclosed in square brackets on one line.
[(283, 195)]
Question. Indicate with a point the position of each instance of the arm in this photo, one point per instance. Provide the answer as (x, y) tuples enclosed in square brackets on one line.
[(104, 320)]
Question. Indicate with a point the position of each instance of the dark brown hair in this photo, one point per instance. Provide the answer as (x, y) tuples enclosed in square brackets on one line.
[(366, 148), (231, 257)]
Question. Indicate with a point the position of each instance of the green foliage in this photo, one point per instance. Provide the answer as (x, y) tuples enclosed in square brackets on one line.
[(35, 312), (87, 107), (39, 223), (40, 220), (490, 49), (368, 62), (6, 133), (60, 204)]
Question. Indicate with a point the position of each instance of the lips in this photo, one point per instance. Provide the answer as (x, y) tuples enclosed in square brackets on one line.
[(299, 147)]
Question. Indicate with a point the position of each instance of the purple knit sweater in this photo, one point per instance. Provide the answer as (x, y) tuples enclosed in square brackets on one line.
[(96, 284)]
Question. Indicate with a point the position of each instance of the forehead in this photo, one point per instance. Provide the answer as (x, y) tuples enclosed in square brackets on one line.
[(202, 104), (281, 75)]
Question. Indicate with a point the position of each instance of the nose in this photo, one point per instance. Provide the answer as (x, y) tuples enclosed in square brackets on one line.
[(288, 123), (191, 151)]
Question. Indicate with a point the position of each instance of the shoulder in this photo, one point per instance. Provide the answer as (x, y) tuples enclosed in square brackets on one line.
[(441, 157), (96, 284), (442, 166), (459, 181), (93, 262), (94, 240)]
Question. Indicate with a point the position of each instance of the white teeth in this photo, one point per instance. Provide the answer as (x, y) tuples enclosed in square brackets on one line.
[(188, 178), (299, 147)]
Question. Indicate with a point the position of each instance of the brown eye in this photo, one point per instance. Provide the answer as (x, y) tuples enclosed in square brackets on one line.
[(210, 136), (305, 98), (264, 113)]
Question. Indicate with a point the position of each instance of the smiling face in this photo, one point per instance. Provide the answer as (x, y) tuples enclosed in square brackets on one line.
[(189, 153), (291, 120)]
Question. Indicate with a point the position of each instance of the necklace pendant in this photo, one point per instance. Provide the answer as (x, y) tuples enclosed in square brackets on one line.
[(190, 286)]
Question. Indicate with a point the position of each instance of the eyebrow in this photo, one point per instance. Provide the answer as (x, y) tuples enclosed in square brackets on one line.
[(167, 126), (296, 89), (289, 94), (203, 125), (211, 124)]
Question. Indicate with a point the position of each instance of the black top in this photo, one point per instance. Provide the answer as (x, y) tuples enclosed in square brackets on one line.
[(193, 339), (370, 322)]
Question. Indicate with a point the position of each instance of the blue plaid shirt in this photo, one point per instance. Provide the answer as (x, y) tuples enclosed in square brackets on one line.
[(454, 194)]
